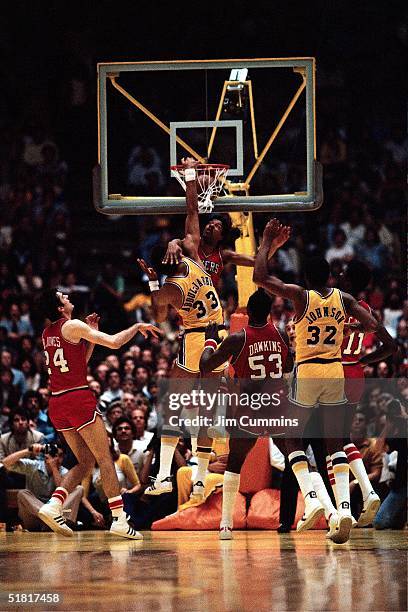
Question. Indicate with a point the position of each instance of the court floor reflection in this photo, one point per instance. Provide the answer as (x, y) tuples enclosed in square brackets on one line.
[(195, 571)]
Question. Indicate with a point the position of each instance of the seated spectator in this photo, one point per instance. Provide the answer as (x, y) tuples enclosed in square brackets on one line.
[(124, 432), (128, 366), (95, 387), (9, 396), (128, 403), (128, 481), (142, 375), (21, 436), (128, 385), (113, 390), (31, 375), (43, 474), (113, 412), (143, 437), (15, 325), (101, 372), (372, 460), (393, 511), (340, 249), (7, 361), (214, 476), (33, 405), (112, 361)]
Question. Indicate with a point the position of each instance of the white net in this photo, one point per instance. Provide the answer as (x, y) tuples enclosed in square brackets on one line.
[(210, 183)]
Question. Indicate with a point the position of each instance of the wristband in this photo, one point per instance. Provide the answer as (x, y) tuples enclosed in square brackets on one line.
[(154, 285), (189, 174), (211, 344)]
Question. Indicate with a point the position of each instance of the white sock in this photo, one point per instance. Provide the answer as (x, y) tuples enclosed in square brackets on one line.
[(116, 506), (194, 445), (322, 495), (230, 489), (167, 448), (203, 459), (357, 467), (300, 466), (341, 475)]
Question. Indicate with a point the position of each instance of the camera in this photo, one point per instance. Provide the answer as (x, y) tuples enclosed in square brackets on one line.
[(50, 449)]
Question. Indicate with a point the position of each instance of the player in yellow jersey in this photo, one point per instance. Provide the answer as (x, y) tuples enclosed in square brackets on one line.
[(320, 313), (189, 289)]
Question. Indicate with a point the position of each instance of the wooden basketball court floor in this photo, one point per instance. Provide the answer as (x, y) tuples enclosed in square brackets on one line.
[(194, 571)]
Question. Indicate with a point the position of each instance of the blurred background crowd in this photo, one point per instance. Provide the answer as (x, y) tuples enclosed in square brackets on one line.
[(50, 235)]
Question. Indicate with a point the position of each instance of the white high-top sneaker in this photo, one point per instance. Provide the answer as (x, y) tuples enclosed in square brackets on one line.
[(158, 487), (370, 509), (121, 527), (51, 515), (313, 511), (342, 532)]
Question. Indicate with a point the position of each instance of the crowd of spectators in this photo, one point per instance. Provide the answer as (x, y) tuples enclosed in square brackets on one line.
[(362, 217)]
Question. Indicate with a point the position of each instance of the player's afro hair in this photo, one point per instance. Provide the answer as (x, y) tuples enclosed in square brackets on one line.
[(317, 271), (259, 305)]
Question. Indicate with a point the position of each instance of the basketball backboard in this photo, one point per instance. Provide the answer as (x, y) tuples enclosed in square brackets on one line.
[(256, 115)]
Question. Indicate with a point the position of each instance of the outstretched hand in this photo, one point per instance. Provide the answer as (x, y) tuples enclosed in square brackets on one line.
[(151, 272), (146, 328), (189, 162), (275, 233), (173, 254)]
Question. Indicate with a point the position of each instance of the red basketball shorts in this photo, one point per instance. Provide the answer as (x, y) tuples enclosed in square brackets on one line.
[(73, 410), (354, 382)]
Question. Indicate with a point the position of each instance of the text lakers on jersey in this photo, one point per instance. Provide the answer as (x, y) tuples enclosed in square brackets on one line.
[(319, 331)]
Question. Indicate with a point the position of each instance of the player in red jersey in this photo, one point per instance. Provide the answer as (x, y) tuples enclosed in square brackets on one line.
[(354, 280), (259, 352), (209, 243), (68, 345)]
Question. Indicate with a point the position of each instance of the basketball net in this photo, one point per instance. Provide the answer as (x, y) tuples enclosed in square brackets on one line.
[(210, 180)]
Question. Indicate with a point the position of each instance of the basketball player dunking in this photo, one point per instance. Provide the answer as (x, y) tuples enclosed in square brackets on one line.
[(209, 244), (68, 345), (272, 359), (320, 314), (190, 290)]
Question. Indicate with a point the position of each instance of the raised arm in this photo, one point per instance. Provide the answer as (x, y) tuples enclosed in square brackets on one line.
[(162, 297), (192, 226), (273, 237), (212, 358), (75, 330)]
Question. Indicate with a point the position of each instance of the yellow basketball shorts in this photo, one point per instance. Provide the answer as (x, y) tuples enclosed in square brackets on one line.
[(318, 383), (191, 348)]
